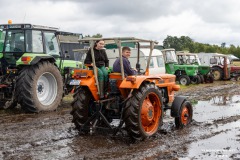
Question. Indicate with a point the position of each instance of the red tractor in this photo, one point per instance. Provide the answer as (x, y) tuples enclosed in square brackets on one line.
[(137, 102), (223, 70)]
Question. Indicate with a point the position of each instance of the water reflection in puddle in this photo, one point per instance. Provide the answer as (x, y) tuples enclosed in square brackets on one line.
[(216, 108), (223, 145), (220, 140)]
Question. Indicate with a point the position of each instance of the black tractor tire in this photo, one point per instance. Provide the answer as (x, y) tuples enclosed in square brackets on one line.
[(185, 115), (80, 108), (217, 74), (209, 78), (237, 78), (196, 79), (184, 80), (202, 78), (143, 113), (39, 87)]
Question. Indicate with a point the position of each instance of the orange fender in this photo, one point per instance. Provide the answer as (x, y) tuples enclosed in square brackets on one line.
[(90, 83), (134, 82)]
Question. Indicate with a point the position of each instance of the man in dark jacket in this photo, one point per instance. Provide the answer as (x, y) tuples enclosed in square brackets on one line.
[(126, 52)]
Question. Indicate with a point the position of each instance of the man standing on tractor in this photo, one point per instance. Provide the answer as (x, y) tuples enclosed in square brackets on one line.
[(102, 64), (126, 52)]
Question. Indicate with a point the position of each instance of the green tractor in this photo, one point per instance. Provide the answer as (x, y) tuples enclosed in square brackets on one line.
[(34, 73), (185, 74), (204, 71)]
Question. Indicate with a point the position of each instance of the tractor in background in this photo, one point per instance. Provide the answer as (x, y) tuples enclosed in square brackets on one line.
[(34, 71), (204, 71), (185, 74), (137, 102), (222, 69)]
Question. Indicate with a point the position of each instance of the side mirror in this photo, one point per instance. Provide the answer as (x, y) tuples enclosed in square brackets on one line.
[(213, 61)]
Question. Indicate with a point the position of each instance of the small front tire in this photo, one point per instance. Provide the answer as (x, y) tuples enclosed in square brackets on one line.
[(184, 80), (185, 115)]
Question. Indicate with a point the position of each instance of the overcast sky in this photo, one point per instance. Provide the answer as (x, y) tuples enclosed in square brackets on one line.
[(205, 21)]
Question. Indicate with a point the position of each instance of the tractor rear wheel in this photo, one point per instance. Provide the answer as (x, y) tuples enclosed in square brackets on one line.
[(144, 112), (184, 80), (196, 79), (39, 87), (217, 74), (185, 115), (80, 108)]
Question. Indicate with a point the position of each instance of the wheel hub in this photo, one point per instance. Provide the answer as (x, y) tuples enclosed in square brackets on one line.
[(40, 88), (185, 116), (147, 112), (46, 89)]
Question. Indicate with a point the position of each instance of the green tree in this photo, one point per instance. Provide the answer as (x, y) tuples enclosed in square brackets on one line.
[(98, 35), (182, 43), (186, 43)]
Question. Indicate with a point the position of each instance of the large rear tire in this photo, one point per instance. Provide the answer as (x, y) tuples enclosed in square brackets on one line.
[(217, 74), (185, 115), (80, 108), (39, 87), (143, 113)]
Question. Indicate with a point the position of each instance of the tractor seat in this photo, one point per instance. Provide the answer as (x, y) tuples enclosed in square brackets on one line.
[(115, 75)]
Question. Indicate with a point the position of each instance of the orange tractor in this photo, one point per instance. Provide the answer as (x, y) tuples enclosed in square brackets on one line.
[(137, 102)]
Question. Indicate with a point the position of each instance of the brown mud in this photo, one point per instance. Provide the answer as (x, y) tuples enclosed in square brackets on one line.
[(213, 134)]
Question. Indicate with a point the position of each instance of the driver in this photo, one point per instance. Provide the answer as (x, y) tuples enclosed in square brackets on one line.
[(126, 52)]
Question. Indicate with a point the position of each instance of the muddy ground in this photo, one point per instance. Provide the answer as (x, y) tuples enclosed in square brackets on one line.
[(213, 134)]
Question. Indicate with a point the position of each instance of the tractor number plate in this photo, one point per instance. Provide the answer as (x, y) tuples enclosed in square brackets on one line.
[(74, 82)]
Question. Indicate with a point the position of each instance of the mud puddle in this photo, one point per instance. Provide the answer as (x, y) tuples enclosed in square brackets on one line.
[(223, 145), (219, 134), (218, 107)]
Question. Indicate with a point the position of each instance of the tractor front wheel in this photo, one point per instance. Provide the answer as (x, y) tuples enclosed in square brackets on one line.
[(185, 115), (196, 79), (237, 78), (209, 78), (80, 108), (202, 78), (184, 80), (144, 112)]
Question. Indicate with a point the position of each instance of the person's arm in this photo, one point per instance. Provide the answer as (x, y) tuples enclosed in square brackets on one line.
[(116, 66), (127, 67), (88, 59), (106, 60)]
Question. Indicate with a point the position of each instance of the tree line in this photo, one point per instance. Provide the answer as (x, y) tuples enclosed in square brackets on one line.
[(186, 43)]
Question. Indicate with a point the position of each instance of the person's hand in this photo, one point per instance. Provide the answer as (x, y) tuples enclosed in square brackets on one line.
[(106, 68), (134, 69), (89, 65)]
